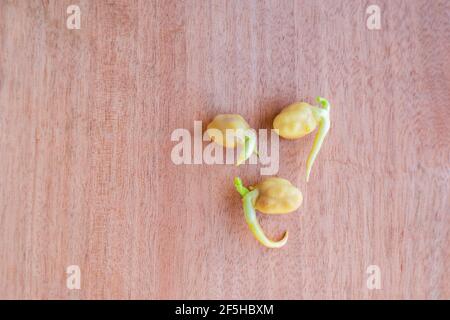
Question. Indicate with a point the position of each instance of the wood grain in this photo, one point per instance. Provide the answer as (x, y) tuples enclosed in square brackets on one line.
[(86, 175)]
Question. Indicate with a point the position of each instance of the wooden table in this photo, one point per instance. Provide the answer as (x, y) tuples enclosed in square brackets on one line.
[(87, 178)]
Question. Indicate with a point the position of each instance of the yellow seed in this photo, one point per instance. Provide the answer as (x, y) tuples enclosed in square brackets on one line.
[(295, 121), (217, 129), (301, 118), (277, 196)]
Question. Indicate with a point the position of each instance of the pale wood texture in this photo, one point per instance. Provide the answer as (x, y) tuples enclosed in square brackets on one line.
[(85, 168)]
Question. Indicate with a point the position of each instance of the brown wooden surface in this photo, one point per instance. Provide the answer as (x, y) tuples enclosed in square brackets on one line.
[(85, 168)]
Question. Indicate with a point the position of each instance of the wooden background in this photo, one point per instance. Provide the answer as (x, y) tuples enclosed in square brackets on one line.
[(86, 176)]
